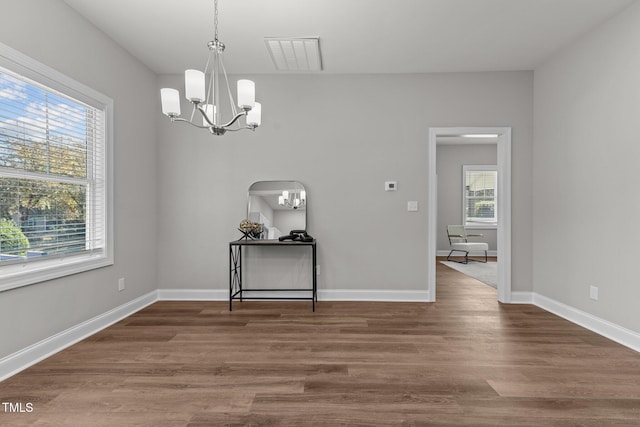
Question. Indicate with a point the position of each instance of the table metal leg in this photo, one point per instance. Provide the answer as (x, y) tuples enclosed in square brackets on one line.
[(314, 275), (235, 273)]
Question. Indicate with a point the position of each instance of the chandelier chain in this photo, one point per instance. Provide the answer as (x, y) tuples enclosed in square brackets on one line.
[(215, 20)]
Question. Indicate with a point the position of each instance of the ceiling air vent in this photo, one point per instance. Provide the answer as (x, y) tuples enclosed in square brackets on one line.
[(294, 53)]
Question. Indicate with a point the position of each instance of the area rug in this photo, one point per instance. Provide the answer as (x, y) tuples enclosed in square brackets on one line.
[(485, 272)]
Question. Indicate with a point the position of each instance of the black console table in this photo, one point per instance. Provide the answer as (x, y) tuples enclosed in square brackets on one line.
[(236, 288)]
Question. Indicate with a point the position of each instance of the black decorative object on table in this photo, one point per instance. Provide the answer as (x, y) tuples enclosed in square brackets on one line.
[(297, 236)]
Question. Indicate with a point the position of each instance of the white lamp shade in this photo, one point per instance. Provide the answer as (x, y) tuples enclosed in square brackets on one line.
[(210, 110), (281, 200), (303, 195), (285, 194), (246, 94), (194, 85), (254, 117), (170, 101)]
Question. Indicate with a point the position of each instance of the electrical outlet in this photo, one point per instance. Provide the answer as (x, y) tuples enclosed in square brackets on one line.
[(593, 293), (121, 284)]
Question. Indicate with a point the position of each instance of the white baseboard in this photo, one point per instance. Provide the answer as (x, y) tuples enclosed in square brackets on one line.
[(614, 332), (193, 294), (323, 295), (373, 295), (20, 360), (521, 298)]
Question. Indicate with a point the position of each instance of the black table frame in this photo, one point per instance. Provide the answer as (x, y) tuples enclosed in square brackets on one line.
[(236, 289)]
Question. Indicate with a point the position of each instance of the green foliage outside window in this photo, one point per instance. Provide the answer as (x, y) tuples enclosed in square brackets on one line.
[(13, 239)]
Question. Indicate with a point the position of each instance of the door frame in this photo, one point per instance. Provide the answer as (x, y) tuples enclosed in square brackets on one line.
[(504, 206)]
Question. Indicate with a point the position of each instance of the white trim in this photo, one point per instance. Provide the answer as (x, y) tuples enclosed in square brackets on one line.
[(504, 207), (373, 295), (44, 74), (22, 359), (49, 269), (617, 333), (323, 295), (521, 297), (481, 227), (193, 294), (504, 215), (614, 332)]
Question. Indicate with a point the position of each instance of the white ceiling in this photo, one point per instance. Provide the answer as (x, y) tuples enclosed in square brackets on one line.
[(356, 36)]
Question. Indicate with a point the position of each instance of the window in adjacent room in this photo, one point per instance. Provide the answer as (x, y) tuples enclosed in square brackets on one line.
[(54, 187), (480, 196)]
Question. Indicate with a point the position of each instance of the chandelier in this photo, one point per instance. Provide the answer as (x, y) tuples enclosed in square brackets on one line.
[(293, 200), (206, 98)]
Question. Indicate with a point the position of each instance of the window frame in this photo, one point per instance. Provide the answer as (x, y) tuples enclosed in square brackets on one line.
[(476, 225), (17, 274)]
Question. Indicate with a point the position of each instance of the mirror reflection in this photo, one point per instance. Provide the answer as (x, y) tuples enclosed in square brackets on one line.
[(280, 206)]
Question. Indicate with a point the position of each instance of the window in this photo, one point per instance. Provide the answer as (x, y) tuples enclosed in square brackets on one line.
[(54, 188), (480, 196)]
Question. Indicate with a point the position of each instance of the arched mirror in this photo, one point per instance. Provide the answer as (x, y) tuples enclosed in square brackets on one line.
[(280, 206)]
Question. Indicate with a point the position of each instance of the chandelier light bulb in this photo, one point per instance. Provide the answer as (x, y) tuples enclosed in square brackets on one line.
[(246, 94), (254, 117), (194, 85), (170, 101)]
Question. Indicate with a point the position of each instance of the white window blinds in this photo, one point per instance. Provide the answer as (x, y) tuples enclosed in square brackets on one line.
[(480, 196)]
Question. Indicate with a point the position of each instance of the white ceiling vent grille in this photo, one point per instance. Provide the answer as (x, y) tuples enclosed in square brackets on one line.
[(295, 53)]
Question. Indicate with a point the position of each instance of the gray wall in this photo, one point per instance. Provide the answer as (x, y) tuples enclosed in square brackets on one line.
[(342, 136), (586, 153), (450, 159), (53, 34)]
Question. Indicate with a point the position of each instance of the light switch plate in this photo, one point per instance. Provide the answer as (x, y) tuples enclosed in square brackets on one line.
[(412, 206), (390, 185)]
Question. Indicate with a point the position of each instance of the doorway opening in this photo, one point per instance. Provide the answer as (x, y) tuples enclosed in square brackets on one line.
[(473, 135)]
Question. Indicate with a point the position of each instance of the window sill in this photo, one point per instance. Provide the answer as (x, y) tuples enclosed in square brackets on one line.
[(29, 273), (481, 227)]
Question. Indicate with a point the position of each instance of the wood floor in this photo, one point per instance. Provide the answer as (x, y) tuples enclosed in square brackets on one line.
[(463, 361)]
